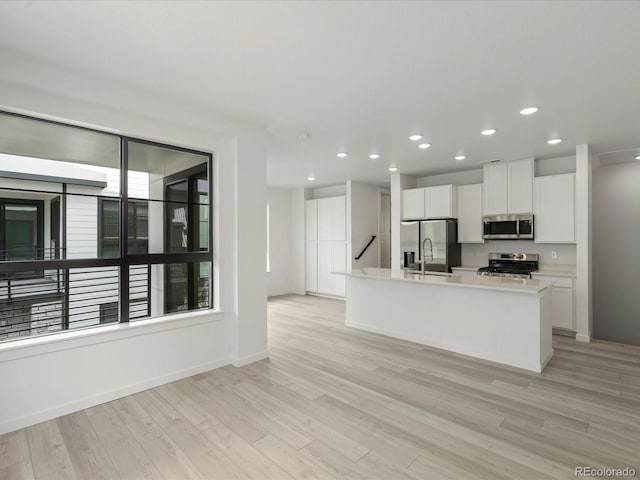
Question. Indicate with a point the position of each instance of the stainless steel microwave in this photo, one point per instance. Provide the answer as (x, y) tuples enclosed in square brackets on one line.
[(508, 227)]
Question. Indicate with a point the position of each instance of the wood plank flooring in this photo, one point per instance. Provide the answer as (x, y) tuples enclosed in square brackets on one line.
[(333, 403)]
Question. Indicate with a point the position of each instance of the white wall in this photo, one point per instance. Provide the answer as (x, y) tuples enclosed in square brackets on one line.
[(584, 300), (616, 256), (135, 358), (363, 206), (298, 240), (466, 177), (280, 241), (478, 253), (325, 192)]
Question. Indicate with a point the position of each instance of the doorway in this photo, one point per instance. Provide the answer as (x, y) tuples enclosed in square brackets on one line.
[(385, 230)]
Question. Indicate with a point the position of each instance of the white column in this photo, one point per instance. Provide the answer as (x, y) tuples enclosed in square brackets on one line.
[(398, 183), (249, 325), (584, 301), (298, 240)]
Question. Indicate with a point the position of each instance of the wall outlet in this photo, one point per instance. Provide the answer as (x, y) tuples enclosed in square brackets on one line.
[(554, 254)]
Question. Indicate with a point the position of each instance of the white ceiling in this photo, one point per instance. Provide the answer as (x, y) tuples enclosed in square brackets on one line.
[(362, 76)]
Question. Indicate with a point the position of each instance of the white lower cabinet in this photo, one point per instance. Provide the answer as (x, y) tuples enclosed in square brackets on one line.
[(562, 301), (562, 308)]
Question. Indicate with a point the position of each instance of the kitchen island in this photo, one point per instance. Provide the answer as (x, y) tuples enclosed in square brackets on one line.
[(498, 319)]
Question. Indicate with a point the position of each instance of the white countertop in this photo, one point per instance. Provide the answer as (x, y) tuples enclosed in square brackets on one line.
[(471, 268), (556, 270), (468, 281)]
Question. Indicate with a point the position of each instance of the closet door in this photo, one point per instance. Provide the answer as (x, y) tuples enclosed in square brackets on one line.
[(325, 267), (312, 266), (325, 219), (338, 218), (339, 251)]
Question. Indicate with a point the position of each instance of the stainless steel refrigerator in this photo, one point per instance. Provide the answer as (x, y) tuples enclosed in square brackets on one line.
[(435, 240)]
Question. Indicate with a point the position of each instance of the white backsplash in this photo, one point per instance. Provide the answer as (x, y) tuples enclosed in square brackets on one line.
[(478, 253)]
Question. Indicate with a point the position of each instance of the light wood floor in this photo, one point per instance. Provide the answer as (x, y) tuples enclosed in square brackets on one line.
[(334, 402)]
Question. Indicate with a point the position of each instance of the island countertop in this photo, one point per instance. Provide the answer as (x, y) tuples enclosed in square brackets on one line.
[(519, 285)]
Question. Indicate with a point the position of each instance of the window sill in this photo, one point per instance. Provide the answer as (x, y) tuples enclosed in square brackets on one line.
[(34, 346)]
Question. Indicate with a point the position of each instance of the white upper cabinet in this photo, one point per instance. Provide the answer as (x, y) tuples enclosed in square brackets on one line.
[(495, 189), (555, 209), (430, 202), (339, 218), (470, 226), (508, 187), (413, 204), (312, 219), (520, 186), (325, 219), (441, 202)]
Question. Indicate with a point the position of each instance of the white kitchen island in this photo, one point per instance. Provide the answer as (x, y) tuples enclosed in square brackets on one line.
[(499, 319)]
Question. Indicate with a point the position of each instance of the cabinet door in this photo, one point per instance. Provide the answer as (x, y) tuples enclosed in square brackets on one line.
[(325, 219), (562, 308), (312, 219), (470, 214), (555, 209), (325, 267), (495, 189), (338, 218), (339, 265), (413, 204), (312, 267), (440, 202), (520, 186)]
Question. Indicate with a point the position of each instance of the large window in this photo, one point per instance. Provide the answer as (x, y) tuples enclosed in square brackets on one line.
[(96, 228)]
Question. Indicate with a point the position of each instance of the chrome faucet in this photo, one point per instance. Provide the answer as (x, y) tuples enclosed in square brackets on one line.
[(424, 253)]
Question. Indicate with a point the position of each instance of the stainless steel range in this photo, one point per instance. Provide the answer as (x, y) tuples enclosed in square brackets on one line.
[(511, 265)]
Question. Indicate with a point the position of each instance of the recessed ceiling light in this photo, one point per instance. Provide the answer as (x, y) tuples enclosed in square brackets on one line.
[(554, 141), (529, 110), (342, 154), (460, 157), (374, 156), (488, 131), (311, 178), (393, 169), (424, 146), (637, 157), (415, 137)]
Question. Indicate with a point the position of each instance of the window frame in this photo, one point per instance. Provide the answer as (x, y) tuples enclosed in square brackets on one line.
[(125, 260), (39, 204)]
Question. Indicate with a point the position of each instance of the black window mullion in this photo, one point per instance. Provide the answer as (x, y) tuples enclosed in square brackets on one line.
[(124, 230)]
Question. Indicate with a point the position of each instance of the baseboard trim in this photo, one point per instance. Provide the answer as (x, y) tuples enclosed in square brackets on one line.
[(93, 400), (326, 295), (279, 293), (241, 362), (546, 359), (583, 338)]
